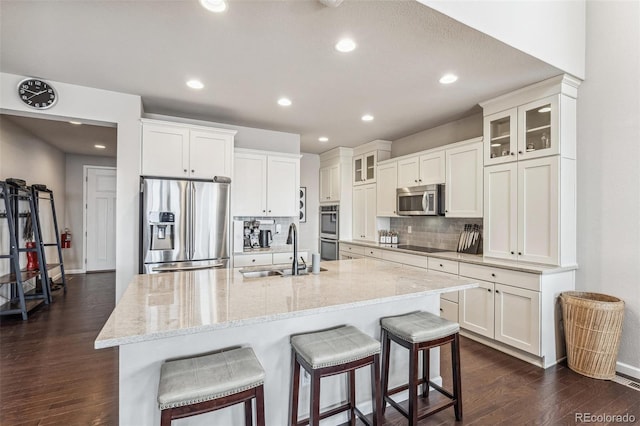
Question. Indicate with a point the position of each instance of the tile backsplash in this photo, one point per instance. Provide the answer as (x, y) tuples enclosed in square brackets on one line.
[(284, 222), (431, 231)]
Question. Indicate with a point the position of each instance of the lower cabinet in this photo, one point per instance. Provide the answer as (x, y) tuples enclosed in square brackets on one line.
[(263, 259), (364, 212)]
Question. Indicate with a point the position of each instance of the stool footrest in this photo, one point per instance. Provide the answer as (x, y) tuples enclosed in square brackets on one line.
[(330, 412), (438, 406)]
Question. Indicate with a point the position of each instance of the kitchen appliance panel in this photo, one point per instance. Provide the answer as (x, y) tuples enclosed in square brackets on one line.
[(161, 198), (425, 200), (329, 249), (209, 220), (156, 268), (329, 221)]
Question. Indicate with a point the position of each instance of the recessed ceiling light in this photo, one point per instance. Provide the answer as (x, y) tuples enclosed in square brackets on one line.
[(75, 123), (323, 139), (367, 117), (448, 78), (195, 84), (216, 6), (98, 146), (495, 144), (284, 101), (545, 109), (345, 45)]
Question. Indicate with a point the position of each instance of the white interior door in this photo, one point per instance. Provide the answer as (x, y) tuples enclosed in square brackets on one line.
[(100, 218)]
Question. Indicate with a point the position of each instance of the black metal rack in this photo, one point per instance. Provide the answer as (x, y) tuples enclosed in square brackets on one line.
[(20, 302)]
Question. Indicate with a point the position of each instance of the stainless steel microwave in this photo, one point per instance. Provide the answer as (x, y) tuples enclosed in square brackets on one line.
[(426, 200)]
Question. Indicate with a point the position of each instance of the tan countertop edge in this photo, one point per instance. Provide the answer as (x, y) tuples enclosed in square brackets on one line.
[(144, 313), (534, 268)]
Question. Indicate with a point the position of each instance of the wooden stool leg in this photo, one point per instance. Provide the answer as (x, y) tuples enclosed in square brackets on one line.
[(426, 358), (386, 343), (248, 413), (375, 391), (295, 390), (165, 417), (413, 386), (260, 405), (352, 397), (457, 379), (314, 403)]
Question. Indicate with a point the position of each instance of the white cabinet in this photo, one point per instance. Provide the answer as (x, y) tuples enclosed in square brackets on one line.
[(522, 215), (426, 169), (283, 258), (364, 212), (265, 184), (182, 151), (386, 189), (364, 168), (330, 183), (464, 173), (264, 259), (506, 313)]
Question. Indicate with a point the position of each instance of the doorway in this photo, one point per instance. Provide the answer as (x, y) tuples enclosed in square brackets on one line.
[(100, 218)]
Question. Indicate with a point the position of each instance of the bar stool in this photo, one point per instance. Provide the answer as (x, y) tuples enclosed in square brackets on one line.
[(326, 353), (197, 385), (419, 332)]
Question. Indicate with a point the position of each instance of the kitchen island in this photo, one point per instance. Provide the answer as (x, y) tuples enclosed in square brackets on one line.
[(171, 315)]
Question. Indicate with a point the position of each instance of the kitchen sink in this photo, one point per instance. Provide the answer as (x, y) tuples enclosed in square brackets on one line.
[(262, 273)]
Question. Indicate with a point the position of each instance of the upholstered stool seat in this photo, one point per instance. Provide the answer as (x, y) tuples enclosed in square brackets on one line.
[(329, 352), (419, 332), (191, 386)]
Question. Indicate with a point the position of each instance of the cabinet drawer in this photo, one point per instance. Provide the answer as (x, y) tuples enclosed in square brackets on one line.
[(252, 260), (504, 276), (443, 265), (373, 252), (407, 259), (449, 310), (352, 249), (451, 296), (288, 257)]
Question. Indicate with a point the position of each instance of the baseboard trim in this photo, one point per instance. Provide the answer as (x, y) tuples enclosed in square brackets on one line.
[(628, 370), (75, 271)]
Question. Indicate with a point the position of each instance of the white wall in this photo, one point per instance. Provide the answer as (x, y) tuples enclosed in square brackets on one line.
[(100, 106), (25, 156), (73, 219), (553, 31), (608, 158), (247, 137), (455, 131), (310, 178)]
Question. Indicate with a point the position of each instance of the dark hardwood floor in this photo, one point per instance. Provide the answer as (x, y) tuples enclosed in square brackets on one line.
[(51, 375)]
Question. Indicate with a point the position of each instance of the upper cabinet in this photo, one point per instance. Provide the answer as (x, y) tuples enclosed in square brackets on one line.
[(364, 213), (265, 184), (365, 160), (330, 183), (426, 169), (386, 189), (184, 151), (463, 186)]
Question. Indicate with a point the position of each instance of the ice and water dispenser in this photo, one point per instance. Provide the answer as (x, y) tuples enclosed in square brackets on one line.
[(162, 230)]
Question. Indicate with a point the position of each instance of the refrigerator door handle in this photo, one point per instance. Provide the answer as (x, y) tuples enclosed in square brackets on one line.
[(186, 268), (192, 219)]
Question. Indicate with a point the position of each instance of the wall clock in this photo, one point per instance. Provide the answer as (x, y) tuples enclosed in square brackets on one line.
[(36, 93)]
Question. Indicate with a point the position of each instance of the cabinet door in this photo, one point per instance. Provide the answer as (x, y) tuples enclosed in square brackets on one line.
[(370, 212), (370, 164), (359, 213), (386, 189), (475, 309), (325, 184), (282, 186), (165, 151), (432, 167), (518, 318), (358, 170), (464, 172), (501, 211), (210, 154), (249, 185), (408, 172), (538, 214), (538, 130), (335, 182), (501, 137)]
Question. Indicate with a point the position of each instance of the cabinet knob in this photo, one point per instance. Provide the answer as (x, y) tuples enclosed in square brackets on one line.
[(513, 252), (269, 211), (446, 211), (489, 290), (415, 180), (253, 260), (441, 265), (441, 310), (497, 291), (493, 275), (185, 170), (419, 180), (520, 152), (193, 171), (512, 153), (519, 253)]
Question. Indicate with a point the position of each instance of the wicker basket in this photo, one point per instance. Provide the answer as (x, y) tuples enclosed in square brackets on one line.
[(593, 325)]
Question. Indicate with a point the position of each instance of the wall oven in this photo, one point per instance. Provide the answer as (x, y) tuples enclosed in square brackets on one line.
[(426, 200), (329, 231)]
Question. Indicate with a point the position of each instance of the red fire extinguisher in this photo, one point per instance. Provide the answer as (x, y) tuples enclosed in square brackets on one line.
[(65, 238)]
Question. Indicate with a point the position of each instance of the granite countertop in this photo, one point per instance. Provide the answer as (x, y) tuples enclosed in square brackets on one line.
[(158, 306), (477, 259)]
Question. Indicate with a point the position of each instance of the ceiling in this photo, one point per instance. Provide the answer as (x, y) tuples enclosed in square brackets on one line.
[(259, 51)]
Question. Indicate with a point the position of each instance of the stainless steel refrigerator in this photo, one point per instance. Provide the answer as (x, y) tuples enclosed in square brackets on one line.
[(184, 224)]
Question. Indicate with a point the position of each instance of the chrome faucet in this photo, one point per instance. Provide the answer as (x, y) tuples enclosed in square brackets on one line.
[(292, 238)]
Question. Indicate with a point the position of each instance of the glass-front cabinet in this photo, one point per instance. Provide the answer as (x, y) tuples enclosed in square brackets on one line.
[(364, 168), (528, 131)]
